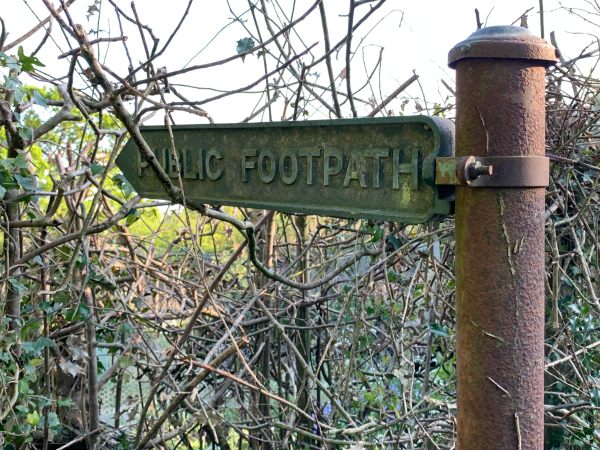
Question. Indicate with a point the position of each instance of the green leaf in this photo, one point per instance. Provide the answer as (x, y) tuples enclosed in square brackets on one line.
[(2, 192), (81, 312), (64, 402), (39, 99), (132, 216), (11, 83), (15, 85), (393, 276), (27, 62), (100, 279), (97, 169), (123, 184), (45, 342), (53, 421), (595, 396), (44, 401), (25, 182), (35, 348), (21, 162), (438, 330), (7, 163), (10, 62), (370, 396), (33, 418), (50, 308), (126, 361), (32, 215), (17, 286), (377, 233), (26, 134), (394, 241), (244, 45), (61, 297)]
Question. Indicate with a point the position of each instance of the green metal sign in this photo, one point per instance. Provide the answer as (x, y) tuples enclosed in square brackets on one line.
[(357, 168)]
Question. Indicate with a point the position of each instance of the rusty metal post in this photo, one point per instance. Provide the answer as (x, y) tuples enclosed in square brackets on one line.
[(500, 243)]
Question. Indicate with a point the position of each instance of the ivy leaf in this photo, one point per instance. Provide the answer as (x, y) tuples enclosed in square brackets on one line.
[(7, 163), (53, 421), (33, 418), (27, 62), (80, 312), (35, 348), (64, 402), (61, 297), (25, 182), (26, 134), (7, 181), (21, 162), (17, 286), (393, 276), (438, 330), (97, 169), (122, 183), (394, 241), (244, 45)]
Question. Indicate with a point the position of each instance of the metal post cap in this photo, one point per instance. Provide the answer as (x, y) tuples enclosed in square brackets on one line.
[(508, 42)]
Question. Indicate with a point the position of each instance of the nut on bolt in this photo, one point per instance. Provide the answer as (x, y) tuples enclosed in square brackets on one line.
[(476, 170), (470, 169)]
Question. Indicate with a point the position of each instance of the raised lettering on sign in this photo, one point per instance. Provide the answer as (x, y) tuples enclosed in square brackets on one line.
[(372, 168), (380, 169)]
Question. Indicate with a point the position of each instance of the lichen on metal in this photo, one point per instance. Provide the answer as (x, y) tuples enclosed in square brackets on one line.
[(359, 168)]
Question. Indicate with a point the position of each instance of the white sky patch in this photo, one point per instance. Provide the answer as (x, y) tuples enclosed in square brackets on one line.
[(405, 36)]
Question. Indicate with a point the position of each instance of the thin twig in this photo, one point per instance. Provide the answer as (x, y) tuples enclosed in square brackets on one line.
[(393, 95)]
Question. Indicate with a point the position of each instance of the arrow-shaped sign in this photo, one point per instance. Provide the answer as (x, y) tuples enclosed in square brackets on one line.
[(357, 168)]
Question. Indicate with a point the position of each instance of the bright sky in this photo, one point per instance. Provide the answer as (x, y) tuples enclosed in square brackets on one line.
[(414, 36)]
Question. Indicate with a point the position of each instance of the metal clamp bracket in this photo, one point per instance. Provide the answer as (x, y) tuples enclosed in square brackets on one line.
[(493, 171)]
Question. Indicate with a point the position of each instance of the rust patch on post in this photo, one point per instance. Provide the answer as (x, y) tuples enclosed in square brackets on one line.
[(500, 292)]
